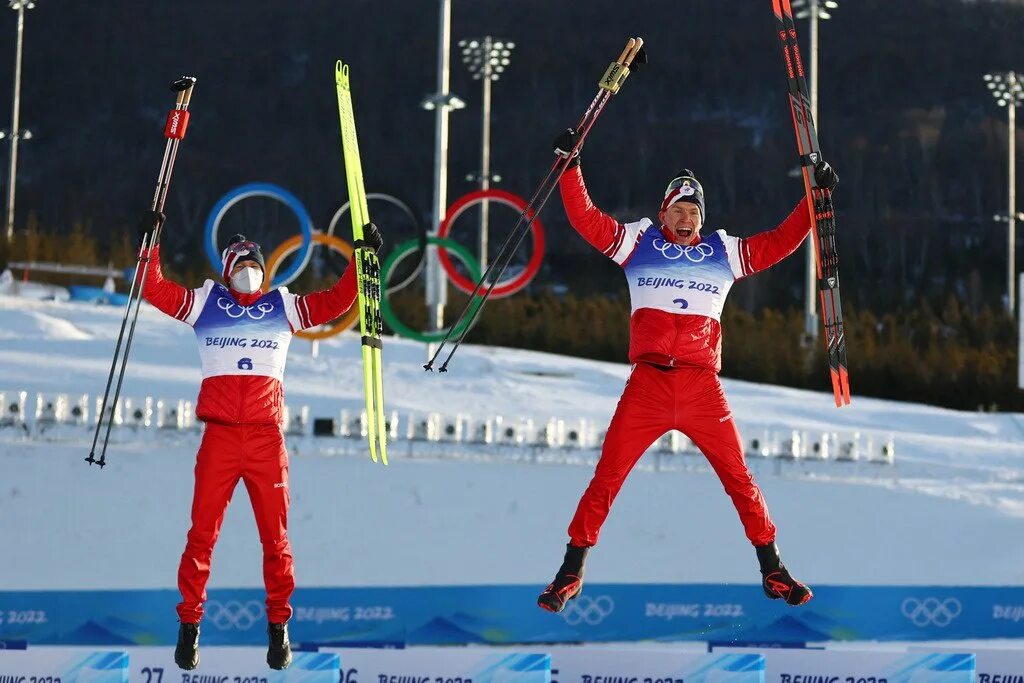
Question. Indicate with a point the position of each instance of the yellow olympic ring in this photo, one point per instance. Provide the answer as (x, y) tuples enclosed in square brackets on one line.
[(289, 246)]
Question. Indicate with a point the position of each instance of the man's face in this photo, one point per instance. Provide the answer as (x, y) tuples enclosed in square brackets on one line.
[(682, 221), (244, 263)]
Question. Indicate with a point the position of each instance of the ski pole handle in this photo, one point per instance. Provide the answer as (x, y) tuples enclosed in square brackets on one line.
[(637, 46), (617, 72), (183, 86), (625, 51), (177, 118)]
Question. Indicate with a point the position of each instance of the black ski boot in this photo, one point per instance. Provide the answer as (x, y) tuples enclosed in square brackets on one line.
[(777, 582), (279, 654), (568, 583), (186, 653)]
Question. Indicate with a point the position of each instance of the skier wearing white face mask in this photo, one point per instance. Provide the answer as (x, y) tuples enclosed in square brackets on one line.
[(246, 278), (243, 336)]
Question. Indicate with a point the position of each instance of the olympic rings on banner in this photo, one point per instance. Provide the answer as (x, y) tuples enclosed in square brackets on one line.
[(260, 190), (346, 321), (503, 288), (400, 252), (421, 233)]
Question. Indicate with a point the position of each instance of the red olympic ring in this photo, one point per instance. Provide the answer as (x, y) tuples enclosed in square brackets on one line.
[(502, 289)]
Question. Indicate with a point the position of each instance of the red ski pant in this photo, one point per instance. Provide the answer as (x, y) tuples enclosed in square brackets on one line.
[(256, 455), (657, 400)]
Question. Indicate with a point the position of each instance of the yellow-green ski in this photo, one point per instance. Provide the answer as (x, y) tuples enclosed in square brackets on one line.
[(367, 273)]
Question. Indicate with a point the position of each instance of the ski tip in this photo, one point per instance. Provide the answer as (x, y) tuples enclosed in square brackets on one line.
[(845, 379), (837, 387), (341, 73)]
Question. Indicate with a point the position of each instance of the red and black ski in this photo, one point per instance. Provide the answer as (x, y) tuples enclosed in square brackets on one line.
[(823, 215)]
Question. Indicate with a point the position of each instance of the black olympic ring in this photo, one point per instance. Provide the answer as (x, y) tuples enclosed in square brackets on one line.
[(234, 614), (931, 611), (421, 232), (585, 609)]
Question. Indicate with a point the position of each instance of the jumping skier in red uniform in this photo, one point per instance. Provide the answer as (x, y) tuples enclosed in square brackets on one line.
[(678, 282), (243, 336)]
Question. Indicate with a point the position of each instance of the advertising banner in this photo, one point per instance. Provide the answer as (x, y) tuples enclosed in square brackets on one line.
[(441, 665), (458, 615), (788, 665), (611, 665), (231, 665), (993, 665), (63, 665)]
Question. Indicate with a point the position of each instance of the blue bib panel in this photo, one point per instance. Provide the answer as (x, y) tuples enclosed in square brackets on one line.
[(676, 279), (243, 340)]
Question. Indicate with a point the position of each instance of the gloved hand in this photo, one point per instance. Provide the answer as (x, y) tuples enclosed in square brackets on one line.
[(149, 222), (564, 145), (825, 176), (372, 237)]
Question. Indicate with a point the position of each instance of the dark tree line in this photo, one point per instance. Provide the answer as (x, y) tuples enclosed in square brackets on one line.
[(944, 355)]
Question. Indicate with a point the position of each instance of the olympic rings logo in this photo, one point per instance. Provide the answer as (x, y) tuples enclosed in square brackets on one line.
[(227, 305), (303, 244), (234, 614), (587, 610), (669, 250), (703, 251), (931, 611), (673, 251)]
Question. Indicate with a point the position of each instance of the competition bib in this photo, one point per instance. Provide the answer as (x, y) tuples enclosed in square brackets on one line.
[(243, 340), (684, 280)]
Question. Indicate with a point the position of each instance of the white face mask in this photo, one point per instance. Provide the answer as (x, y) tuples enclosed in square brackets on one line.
[(247, 280)]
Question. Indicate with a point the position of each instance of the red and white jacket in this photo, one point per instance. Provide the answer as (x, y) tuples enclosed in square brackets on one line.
[(677, 293), (243, 339)]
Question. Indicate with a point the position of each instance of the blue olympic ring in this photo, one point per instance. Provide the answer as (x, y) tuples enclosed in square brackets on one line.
[(261, 190)]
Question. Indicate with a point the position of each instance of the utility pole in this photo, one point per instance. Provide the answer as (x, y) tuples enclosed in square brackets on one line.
[(16, 133), (441, 103), (486, 59)]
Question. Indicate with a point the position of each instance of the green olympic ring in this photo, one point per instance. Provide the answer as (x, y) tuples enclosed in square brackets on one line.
[(400, 252)]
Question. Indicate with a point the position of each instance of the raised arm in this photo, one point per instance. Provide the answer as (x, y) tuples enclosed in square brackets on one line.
[(595, 226), (765, 249), (166, 295), (324, 306), (612, 238), (327, 304), (604, 233)]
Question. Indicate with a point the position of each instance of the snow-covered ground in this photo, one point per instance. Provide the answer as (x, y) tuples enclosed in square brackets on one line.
[(950, 511)]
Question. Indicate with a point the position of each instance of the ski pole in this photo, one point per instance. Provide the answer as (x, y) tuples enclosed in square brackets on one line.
[(174, 131), (608, 86), (547, 188)]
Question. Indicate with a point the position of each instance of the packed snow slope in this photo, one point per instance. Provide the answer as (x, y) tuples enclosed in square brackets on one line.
[(950, 511)]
